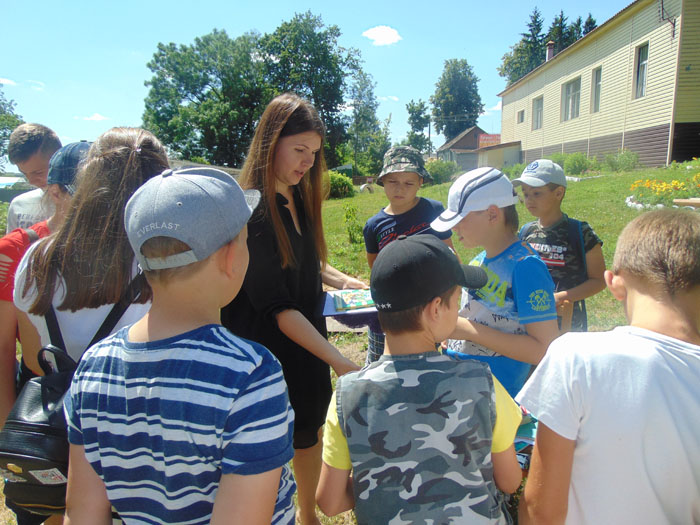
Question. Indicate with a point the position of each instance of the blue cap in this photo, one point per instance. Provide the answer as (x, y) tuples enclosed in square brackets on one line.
[(64, 164), (203, 207)]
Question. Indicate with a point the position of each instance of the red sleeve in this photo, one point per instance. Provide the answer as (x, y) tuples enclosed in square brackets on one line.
[(12, 247)]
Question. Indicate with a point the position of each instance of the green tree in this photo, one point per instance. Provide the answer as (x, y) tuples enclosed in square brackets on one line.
[(527, 54), (369, 142), (456, 101), (574, 31), (418, 120), (205, 98), (559, 32), (589, 25), (303, 55), (9, 120)]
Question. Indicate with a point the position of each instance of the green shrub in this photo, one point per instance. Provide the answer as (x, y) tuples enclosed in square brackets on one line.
[(558, 158), (627, 160), (623, 160), (441, 170), (514, 171), (576, 163), (341, 186), (352, 225)]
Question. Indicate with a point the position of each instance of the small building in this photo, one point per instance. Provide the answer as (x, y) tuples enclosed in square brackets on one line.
[(462, 149), (500, 155), (632, 83)]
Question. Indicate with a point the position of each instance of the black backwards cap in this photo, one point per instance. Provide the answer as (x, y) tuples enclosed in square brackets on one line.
[(412, 271)]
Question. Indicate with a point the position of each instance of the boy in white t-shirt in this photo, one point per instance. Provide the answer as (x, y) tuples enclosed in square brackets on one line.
[(30, 148), (619, 416)]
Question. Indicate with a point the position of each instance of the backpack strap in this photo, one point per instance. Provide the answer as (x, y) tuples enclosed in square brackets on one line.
[(575, 233), (525, 230), (129, 296)]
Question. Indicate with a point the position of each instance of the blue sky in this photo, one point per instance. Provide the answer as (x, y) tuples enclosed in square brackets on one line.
[(80, 67)]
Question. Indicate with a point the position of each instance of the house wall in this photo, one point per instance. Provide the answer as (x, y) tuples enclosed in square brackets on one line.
[(623, 121), (686, 130)]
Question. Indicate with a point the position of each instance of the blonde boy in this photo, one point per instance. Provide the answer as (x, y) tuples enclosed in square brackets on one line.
[(509, 322), (570, 248), (175, 419), (427, 440), (402, 175), (619, 417)]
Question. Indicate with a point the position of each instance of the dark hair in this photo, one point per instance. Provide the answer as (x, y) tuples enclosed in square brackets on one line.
[(287, 115), (661, 247), (28, 139), (90, 251), (410, 320), (510, 214)]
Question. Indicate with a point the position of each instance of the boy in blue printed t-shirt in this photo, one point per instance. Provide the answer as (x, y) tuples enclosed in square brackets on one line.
[(175, 419), (510, 322), (407, 214)]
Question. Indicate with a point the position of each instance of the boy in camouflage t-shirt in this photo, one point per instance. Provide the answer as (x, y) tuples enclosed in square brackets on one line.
[(427, 439), (570, 248)]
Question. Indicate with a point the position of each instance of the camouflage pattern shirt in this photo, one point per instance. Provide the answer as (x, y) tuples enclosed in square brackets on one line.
[(563, 261), (419, 430)]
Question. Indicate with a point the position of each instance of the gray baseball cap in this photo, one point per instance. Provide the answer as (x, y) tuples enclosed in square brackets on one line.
[(540, 173), (403, 159), (203, 207), (475, 190)]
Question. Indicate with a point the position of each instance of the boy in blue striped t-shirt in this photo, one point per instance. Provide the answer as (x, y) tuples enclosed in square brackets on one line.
[(175, 419)]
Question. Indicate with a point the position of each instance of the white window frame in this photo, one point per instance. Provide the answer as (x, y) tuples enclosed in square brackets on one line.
[(571, 99), (596, 88), (641, 70), (537, 113), (520, 118)]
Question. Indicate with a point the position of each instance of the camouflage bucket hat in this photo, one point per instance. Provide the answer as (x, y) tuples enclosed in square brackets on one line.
[(403, 159)]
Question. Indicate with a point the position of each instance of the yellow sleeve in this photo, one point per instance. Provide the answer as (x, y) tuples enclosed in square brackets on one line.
[(508, 417), (335, 446)]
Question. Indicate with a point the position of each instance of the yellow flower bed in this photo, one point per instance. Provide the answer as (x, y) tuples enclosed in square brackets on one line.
[(655, 191)]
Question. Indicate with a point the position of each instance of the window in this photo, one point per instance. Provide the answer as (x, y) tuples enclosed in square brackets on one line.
[(521, 116), (595, 89), (642, 57), (571, 99), (537, 105)]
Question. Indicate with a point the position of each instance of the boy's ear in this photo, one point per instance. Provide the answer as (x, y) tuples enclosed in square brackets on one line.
[(432, 309), (616, 284), (227, 258), (493, 212)]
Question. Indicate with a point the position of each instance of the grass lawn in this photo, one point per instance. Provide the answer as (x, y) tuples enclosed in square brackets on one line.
[(598, 200)]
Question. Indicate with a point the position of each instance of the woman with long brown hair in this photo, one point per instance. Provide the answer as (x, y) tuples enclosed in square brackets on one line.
[(277, 305), (87, 265)]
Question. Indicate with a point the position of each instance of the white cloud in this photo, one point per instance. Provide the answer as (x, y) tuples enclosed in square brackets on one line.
[(94, 116), (37, 85), (7, 82), (393, 98), (490, 111), (382, 35)]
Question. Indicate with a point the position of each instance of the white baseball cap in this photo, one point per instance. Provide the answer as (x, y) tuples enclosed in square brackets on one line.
[(475, 190)]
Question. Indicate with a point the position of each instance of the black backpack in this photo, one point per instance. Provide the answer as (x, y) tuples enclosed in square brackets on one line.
[(34, 443)]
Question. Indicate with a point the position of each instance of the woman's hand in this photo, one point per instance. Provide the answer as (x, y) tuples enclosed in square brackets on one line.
[(343, 365), (339, 280), (353, 284)]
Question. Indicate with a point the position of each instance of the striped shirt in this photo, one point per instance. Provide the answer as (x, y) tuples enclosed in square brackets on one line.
[(162, 421)]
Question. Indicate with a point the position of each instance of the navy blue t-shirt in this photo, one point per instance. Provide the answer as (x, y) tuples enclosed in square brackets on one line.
[(383, 228)]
